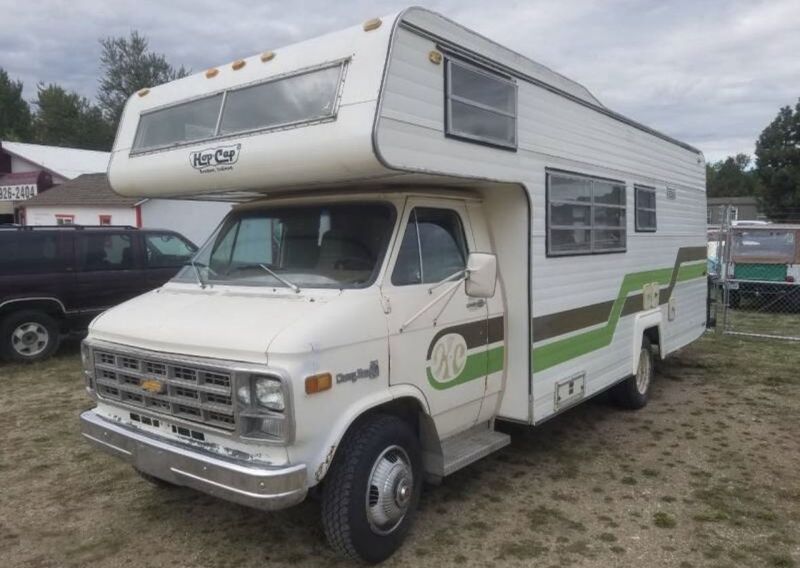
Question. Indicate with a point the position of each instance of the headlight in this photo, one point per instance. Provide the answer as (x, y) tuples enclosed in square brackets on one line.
[(269, 394)]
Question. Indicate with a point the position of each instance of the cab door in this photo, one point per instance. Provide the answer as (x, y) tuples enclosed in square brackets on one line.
[(437, 334)]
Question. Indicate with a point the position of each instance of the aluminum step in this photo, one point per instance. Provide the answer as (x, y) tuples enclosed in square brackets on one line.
[(471, 445)]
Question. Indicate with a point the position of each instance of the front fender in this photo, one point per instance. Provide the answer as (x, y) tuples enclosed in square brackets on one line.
[(319, 464)]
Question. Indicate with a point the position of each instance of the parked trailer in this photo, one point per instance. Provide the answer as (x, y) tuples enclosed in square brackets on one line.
[(433, 233)]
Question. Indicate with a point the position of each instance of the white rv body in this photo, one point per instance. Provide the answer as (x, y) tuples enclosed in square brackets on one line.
[(561, 327)]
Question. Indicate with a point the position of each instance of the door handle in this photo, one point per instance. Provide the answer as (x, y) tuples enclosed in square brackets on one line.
[(475, 304)]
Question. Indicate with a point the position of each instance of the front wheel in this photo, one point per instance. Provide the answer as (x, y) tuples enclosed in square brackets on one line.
[(372, 490)]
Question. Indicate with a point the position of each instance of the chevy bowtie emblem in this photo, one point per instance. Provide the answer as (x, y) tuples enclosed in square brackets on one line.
[(154, 386)]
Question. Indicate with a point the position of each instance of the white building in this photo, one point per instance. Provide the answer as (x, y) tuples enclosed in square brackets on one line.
[(29, 169), (89, 200)]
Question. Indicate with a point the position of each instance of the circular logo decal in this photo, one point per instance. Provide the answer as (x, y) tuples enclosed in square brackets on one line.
[(449, 357)]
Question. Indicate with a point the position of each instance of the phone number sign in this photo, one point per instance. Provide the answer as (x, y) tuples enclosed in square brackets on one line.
[(17, 192)]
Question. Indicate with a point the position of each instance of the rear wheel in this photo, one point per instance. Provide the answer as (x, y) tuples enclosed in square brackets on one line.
[(634, 392), (28, 336), (372, 490)]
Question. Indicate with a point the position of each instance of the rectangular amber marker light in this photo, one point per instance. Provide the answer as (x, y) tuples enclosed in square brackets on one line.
[(318, 383)]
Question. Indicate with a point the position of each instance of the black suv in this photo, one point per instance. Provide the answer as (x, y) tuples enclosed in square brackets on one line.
[(55, 280)]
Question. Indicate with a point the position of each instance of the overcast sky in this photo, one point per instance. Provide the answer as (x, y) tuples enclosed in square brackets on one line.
[(710, 72)]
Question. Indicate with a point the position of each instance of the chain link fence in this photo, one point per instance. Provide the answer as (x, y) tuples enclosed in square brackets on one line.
[(754, 278)]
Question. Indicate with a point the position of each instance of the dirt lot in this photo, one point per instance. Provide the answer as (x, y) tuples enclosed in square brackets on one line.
[(707, 475)]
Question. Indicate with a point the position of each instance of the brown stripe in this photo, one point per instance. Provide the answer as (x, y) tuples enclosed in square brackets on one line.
[(552, 325), (474, 333), (497, 331)]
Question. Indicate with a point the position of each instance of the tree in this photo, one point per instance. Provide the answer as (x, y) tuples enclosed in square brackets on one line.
[(68, 119), (778, 165), (731, 177), (128, 66), (15, 114)]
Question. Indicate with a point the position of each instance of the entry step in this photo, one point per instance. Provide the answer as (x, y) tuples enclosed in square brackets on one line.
[(471, 445)]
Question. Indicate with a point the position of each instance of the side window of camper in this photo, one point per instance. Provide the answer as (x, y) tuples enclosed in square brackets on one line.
[(433, 248), (585, 215), (481, 106), (645, 204)]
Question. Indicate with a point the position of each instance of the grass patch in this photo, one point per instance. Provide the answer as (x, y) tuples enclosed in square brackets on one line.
[(664, 521)]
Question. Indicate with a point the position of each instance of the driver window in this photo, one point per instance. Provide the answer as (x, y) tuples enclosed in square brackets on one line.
[(433, 247)]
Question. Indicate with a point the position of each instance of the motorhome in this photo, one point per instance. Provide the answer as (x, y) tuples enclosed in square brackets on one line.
[(432, 234)]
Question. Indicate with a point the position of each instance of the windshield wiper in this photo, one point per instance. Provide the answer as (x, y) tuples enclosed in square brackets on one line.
[(295, 288), (197, 273), (272, 273)]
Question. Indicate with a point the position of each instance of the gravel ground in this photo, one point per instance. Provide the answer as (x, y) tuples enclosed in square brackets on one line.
[(706, 475)]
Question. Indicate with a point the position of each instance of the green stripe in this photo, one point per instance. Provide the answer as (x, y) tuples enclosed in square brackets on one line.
[(563, 350), (477, 365)]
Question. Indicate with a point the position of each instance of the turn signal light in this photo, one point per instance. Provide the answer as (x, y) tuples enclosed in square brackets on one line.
[(236, 65), (212, 73), (267, 56), (318, 383)]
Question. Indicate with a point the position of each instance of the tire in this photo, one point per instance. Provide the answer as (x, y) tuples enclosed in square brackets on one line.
[(734, 299), (28, 336), (360, 521), (634, 392), (156, 481)]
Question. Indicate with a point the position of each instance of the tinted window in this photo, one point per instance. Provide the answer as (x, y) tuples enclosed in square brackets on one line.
[(585, 215), (432, 249), (195, 120), (306, 97), (645, 201), (481, 105), (317, 246), (166, 250), (303, 97), (28, 252), (103, 251)]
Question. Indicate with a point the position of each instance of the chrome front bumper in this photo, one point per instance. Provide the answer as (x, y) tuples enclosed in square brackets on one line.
[(265, 488)]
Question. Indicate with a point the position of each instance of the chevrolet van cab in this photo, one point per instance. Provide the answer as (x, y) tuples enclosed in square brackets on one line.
[(433, 233)]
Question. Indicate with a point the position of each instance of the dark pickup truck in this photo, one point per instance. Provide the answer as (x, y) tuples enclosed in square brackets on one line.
[(55, 280)]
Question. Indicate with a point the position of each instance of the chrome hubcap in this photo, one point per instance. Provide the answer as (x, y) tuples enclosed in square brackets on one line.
[(389, 490), (30, 339), (644, 372)]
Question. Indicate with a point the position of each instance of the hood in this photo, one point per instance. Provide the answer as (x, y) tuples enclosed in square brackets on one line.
[(225, 323)]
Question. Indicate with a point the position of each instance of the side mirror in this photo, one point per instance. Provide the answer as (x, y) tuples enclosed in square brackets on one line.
[(481, 275)]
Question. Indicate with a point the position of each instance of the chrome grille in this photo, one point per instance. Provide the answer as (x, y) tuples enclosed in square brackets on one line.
[(191, 393)]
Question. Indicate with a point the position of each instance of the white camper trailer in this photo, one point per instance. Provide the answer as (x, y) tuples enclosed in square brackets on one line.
[(434, 233)]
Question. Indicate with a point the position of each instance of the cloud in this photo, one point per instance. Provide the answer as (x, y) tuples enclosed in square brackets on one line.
[(710, 72)]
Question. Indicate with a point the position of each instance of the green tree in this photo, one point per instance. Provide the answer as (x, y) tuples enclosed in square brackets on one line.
[(778, 165), (15, 113), (731, 177), (67, 119), (129, 66)]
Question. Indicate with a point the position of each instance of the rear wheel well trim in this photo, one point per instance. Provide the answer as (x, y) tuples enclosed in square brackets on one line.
[(4, 305)]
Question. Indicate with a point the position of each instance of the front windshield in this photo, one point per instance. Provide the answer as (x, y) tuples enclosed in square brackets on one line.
[(764, 243), (315, 246)]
